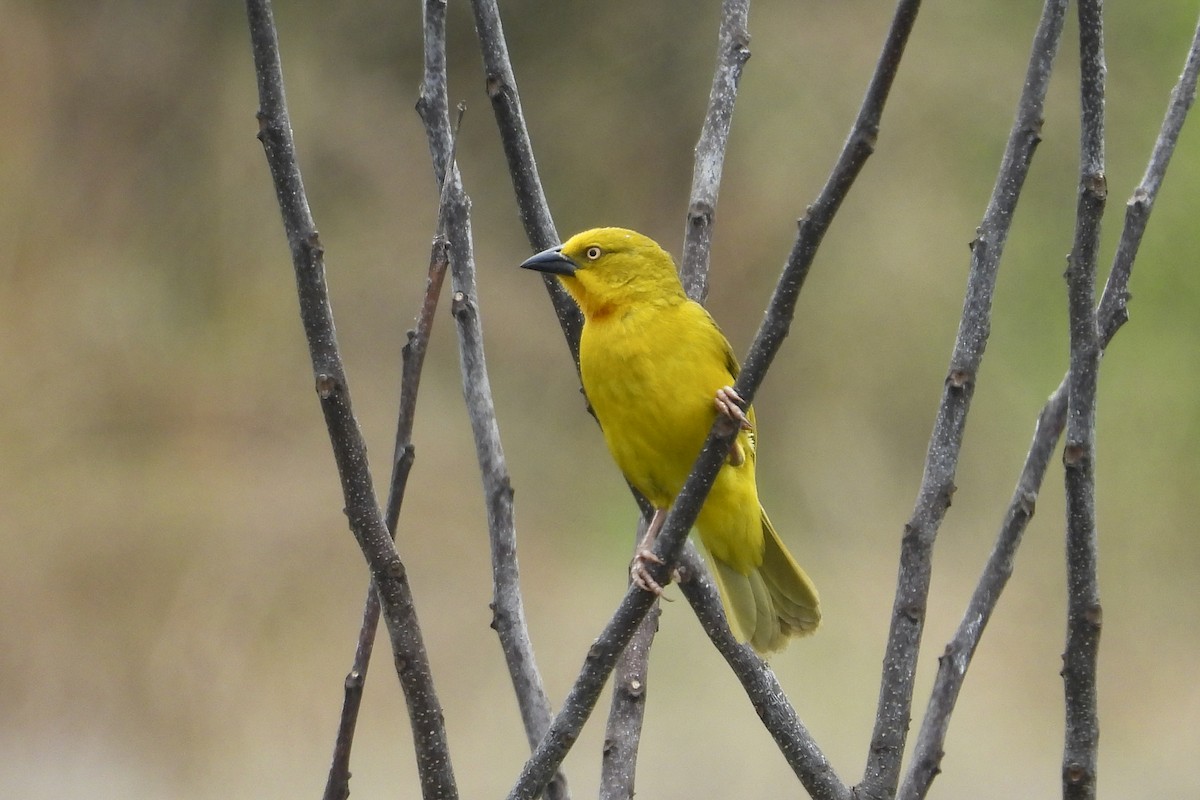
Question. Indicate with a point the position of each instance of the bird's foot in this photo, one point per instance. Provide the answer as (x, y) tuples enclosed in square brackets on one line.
[(639, 573), (729, 404)]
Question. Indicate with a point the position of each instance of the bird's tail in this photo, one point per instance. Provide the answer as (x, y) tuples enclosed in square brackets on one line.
[(772, 602)]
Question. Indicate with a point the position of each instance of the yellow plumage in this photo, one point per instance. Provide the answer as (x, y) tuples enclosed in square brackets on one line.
[(652, 362)]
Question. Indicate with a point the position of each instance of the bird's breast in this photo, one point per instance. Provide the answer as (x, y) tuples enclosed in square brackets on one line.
[(650, 381)]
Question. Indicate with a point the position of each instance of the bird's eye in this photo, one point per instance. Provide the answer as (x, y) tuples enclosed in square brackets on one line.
[(593, 253)]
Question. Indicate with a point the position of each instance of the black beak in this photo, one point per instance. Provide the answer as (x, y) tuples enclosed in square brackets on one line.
[(552, 261)]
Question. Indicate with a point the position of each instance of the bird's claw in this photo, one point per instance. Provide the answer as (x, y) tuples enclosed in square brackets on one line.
[(640, 575), (729, 403)]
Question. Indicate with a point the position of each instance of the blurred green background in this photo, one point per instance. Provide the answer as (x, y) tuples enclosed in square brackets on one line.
[(181, 594)]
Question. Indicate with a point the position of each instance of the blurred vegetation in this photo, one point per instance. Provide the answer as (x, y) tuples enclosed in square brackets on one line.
[(181, 592)]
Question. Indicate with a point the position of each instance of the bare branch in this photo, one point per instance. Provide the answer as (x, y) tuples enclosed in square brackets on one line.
[(362, 509), (623, 732), (433, 102), (796, 745), (539, 228), (761, 685), (514, 136), (413, 357), (432, 106), (1113, 311), (508, 609), (1111, 314), (580, 701), (507, 606), (337, 786), (413, 361), (859, 146), (912, 590), (733, 50), (531, 200), (1083, 594), (952, 665)]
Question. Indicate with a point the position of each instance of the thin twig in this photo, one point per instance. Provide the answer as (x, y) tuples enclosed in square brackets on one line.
[(623, 731), (760, 684), (733, 50), (882, 772), (412, 362), (433, 101), (337, 784), (514, 136), (1083, 594), (859, 146), (433, 93), (413, 359), (1111, 315), (1022, 141), (1113, 304), (952, 665), (361, 506), (508, 611)]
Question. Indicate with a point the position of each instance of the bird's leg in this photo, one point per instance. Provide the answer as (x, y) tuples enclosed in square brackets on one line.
[(729, 405), (638, 573)]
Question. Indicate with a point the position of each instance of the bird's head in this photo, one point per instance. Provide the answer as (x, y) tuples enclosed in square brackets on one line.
[(606, 269)]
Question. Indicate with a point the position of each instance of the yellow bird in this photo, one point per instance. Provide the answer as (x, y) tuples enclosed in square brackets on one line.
[(657, 370)]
